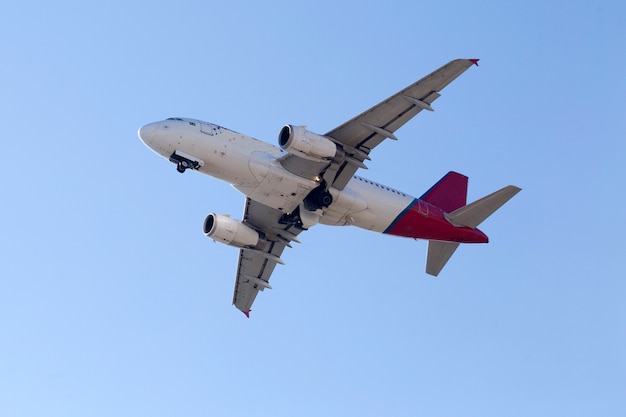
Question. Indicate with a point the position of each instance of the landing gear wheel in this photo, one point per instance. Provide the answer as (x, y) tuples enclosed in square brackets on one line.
[(326, 199), (184, 165), (317, 199)]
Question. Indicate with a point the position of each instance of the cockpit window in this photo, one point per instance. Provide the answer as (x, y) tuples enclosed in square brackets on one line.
[(175, 118)]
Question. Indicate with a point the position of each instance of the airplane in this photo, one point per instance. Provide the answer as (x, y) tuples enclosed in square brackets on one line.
[(310, 179)]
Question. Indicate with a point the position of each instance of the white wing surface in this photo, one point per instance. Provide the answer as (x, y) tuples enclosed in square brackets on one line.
[(256, 266), (364, 132)]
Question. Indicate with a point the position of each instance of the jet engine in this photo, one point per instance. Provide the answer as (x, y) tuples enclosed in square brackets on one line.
[(299, 141), (232, 232)]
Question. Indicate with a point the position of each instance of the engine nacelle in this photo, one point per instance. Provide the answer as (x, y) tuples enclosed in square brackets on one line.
[(299, 141), (232, 232)]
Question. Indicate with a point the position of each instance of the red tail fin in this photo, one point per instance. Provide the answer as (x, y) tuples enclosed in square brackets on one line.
[(449, 194)]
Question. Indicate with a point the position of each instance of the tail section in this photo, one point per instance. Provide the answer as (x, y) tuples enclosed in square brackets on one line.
[(470, 215), (449, 194)]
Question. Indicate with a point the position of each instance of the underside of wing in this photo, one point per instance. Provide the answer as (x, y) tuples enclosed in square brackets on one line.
[(256, 265), (364, 132)]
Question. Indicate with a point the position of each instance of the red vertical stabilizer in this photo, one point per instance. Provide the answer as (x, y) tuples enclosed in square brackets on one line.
[(449, 194)]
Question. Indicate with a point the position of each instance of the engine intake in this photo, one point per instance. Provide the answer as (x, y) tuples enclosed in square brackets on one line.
[(299, 141), (232, 232)]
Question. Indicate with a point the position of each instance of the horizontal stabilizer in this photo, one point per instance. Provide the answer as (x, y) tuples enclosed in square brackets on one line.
[(438, 255), (475, 213)]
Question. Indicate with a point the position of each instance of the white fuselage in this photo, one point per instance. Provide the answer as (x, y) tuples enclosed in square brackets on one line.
[(252, 167)]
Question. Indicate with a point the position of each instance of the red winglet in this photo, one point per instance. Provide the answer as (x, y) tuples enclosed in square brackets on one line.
[(474, 61), (247, 313)]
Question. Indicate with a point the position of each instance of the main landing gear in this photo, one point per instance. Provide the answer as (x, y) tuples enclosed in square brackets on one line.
[(309, 213), (318, 198)]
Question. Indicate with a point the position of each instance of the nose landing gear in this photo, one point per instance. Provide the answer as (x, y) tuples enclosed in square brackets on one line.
[(182, 166), (184, 162)]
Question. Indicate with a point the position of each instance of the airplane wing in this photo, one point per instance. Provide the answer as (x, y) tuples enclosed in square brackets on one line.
[(256, 266), (364, 132)]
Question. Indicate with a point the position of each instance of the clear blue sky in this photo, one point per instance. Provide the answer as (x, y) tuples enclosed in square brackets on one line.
[(113, 303)]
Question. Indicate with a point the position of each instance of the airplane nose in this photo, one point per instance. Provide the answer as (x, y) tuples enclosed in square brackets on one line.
[(146, 133)]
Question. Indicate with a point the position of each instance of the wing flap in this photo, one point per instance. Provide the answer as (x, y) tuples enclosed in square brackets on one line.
[(251, 271)]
